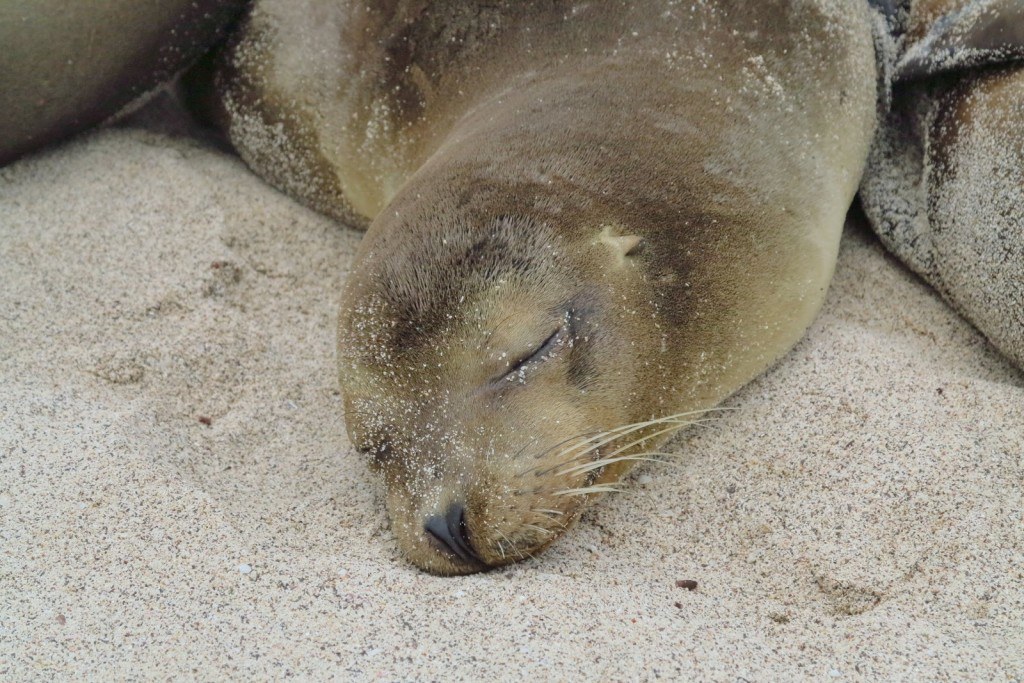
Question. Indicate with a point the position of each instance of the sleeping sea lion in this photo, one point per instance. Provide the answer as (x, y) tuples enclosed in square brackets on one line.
[(588, 224), (591, 222)]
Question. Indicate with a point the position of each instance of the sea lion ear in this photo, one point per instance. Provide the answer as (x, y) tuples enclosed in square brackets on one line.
[(982, 32), (621, 245)]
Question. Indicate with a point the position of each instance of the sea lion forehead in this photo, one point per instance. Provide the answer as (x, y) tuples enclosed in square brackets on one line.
[(457, 264)]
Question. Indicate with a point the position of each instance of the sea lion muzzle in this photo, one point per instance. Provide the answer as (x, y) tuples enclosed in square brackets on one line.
[(452, 534)]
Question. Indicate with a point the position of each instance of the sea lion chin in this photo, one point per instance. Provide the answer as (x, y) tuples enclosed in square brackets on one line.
[(587, 226)]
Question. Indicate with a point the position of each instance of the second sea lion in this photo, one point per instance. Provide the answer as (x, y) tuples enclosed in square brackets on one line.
[(944, 186), (67, 66)]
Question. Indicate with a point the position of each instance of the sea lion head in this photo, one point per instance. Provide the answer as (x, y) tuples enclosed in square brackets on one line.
[(491, 340)]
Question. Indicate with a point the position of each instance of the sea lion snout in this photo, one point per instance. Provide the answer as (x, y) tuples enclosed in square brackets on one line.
[(450, 532), (477, 505)]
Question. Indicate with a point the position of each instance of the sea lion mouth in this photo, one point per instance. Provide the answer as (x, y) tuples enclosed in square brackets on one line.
[(463, 526)]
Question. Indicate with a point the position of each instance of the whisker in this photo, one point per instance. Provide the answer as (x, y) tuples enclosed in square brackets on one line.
[(597, 439), (590, 435), (625, 429), (675, 427), (510, 544), (562, 524), (519, 551), (565, 441), (355, 411), (656, 434), (628, 429), (588, 490), (520, 451), (603, 462)]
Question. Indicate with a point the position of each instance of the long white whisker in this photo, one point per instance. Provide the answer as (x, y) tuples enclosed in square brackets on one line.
[(603, 462), (589, 436), (596, 440), (510, 544), (587, 490), (656, 434), (636, 442), (628, 429), (623, 430)]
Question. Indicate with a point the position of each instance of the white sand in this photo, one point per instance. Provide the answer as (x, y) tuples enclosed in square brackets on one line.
[(857, 517)]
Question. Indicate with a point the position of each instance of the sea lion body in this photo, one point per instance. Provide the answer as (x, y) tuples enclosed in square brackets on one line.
[(944, 185), (610, 201), (67, 66)]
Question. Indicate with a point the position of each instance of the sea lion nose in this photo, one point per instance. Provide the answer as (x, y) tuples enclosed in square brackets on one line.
[(452, 533)]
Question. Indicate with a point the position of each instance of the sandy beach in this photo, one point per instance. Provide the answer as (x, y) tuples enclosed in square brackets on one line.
[(178, 497)]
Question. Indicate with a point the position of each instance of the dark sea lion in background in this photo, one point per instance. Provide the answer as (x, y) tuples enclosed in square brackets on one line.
[(944, 186), (67, 66), (943, 36), (589, 223)]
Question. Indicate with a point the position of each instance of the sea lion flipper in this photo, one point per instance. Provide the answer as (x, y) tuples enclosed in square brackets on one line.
[(979, 33)]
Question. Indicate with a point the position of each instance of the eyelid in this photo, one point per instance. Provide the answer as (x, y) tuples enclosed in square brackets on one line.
[(538, 353)]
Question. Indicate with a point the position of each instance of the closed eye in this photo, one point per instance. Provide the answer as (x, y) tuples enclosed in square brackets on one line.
[(541, 353)]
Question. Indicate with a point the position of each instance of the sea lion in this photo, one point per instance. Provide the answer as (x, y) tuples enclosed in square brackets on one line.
[(944, 185), (588, 224), (942, 36), (66, 66)]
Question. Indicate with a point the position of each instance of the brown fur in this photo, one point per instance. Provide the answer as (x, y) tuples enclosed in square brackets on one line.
[(509, 146), (975, 134), (944, 185), (953, 36), (65, 67)]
